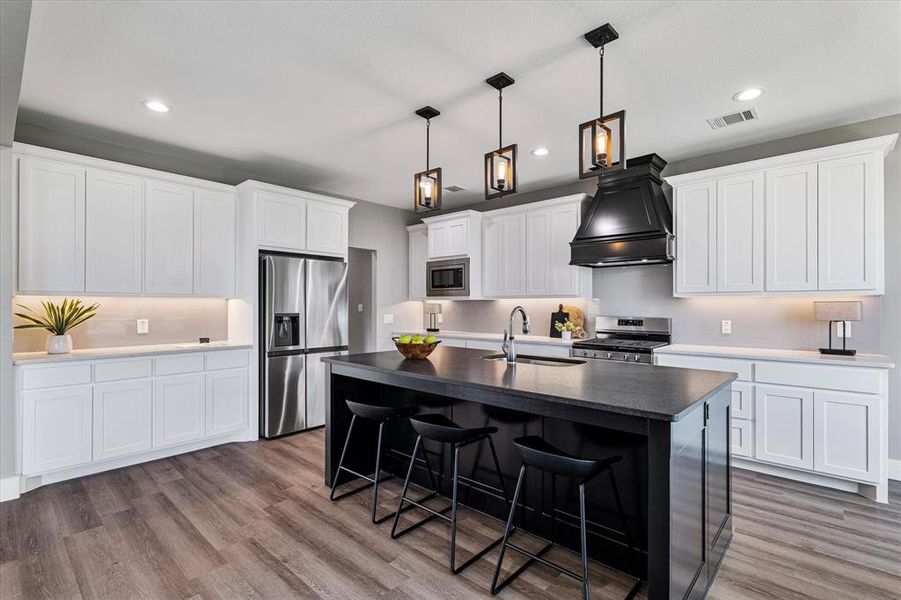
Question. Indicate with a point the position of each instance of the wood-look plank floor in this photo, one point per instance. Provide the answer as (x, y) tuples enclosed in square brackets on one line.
[(253, 520)]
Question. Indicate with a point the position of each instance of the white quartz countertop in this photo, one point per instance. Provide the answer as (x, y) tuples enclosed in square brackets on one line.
[(20, 358), (805, 356), (499, 337)]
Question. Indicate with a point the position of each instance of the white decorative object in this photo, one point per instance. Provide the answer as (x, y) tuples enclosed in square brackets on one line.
[(59, 344), (567, 335)]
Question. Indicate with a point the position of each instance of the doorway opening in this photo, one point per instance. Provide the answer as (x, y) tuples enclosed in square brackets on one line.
[(361, 273)]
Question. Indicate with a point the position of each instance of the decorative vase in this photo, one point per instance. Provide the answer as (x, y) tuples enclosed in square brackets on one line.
[(59, 344), (567, 335)]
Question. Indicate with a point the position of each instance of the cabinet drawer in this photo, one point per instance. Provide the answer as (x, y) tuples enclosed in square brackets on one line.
[(226, 359), (742, 438), (742, 400), (116, 370), (178, 363), (56, 376), (742, 368), (851, 379)]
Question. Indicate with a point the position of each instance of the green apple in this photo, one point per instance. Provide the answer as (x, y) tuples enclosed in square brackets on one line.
[(431, 339), (417, 339), (405, 339)]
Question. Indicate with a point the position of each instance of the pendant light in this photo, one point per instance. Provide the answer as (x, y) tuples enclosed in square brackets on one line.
[(427, 184), (602, 141), (500, 164)]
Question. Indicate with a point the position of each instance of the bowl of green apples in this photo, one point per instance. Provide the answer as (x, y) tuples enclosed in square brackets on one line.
[(415, 345)]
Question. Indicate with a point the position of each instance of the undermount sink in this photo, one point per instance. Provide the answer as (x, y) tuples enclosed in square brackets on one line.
[(544, 361)]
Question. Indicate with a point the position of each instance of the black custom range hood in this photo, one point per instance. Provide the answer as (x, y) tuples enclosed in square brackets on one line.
[(629, 221)]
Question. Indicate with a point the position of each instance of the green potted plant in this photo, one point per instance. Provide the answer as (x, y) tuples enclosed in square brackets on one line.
[(58, 319)]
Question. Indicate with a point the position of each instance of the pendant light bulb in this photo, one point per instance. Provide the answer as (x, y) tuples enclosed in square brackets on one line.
[(600, 147)]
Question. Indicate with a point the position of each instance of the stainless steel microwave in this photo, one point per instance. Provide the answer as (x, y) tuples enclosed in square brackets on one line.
[(447, 277)]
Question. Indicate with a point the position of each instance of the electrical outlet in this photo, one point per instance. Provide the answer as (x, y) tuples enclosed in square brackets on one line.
[(389, 318), (440, 319), (143, 326), (843, 329), (359, 308), (726, 327)]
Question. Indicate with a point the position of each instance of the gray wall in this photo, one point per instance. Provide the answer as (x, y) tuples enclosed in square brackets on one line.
[(361, 329), (172, 320)]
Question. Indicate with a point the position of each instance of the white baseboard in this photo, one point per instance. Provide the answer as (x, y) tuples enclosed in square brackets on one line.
[(894, 469), (9, 488)]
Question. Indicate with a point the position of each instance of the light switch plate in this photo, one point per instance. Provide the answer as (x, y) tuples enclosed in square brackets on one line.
[(389, 318), (359, 308), (726, 327), (440, 319), (143, 326)]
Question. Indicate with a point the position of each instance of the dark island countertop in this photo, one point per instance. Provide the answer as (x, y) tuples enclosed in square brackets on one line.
[(649, 391)]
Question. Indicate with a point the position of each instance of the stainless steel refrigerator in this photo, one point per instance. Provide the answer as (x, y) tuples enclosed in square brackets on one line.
[(303, 317)]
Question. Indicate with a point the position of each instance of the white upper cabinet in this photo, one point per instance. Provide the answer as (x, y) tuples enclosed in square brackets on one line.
[(169, 239), (809, 223), (326, 227), (695, 269), (214, 243), (526, 250), (450, 236), (851, 223), (51, 226), (418, 238), (739, 233), (114, 233), (281, 221), (791, 229)]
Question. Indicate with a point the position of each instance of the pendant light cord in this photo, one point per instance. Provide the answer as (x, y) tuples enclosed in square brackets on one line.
[(500, 118), (601, 70), (428, 125)]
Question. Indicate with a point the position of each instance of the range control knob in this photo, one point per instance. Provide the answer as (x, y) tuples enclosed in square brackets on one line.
[(635, 357), (610, 355)]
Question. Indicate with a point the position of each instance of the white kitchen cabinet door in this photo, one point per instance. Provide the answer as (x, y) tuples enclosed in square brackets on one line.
[(791, 229), (214, 243), (56, 429), (492, 257), (114, 233), (539, 254), (513, 240), (326, 228), (179, 408), (449, 238), (742, 438), (565, 278), (742, 400), (281, 221), (123, 417), (783, 427), (739, 233), (169, 239), (696, 238), (51, 226), (419, 256), (850, 220), (226, 401), (846, 434)]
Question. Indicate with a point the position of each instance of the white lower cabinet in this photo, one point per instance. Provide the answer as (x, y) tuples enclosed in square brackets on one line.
[(178, 409), (226, 401), (122, 418), (742, 438), (742, 400), (784, 432), (844, 440), (56, 428)]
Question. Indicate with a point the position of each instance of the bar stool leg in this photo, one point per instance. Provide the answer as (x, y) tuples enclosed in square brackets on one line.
[(350, 429), (375, 476), (495, 588), (500, 476), (584, 534), (403, 494), (453, 531)]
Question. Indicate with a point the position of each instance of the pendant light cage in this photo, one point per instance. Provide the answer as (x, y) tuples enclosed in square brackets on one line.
[(602, 141), (427, 184), (501, 166)]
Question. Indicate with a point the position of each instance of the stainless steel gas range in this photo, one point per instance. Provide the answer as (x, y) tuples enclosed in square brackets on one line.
[(627, 339)]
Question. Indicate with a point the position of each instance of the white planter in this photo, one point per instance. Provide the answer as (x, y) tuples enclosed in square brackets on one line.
[(59, 344), (567, 335)]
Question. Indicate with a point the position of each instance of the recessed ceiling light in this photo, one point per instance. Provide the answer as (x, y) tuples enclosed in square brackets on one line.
[(156, 106), (747, 94), (542, 151)]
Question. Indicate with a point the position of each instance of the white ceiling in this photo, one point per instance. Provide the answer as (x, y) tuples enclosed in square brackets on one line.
[(321, 94)]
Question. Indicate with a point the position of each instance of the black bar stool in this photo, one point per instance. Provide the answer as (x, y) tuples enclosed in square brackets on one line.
[(538, 453), (438, 428), (380, 415)]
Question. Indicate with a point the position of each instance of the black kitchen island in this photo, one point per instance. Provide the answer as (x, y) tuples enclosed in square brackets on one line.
[(671, 426)]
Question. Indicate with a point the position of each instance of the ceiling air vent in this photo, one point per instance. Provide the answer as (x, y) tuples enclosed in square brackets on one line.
[(733, 118), (454, 188)]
